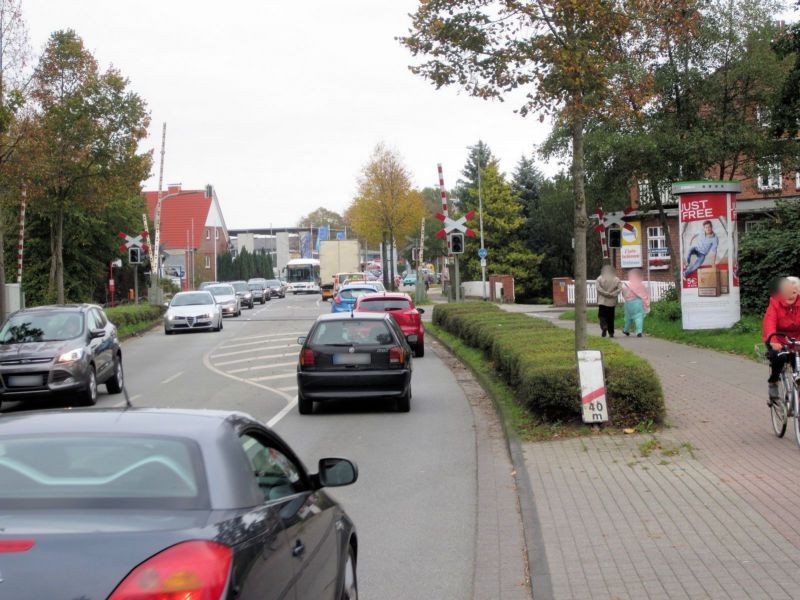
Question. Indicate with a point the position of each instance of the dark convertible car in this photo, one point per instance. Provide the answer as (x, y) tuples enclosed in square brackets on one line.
[(144, 504)]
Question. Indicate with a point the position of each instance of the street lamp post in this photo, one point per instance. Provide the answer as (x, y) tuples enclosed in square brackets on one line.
[(480, 221)]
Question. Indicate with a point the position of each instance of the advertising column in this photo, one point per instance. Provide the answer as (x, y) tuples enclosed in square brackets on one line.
[(709, 267)]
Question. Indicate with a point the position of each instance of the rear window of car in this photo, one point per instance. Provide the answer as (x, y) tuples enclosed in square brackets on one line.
[(352, 332), (240, 287), (42, 326), (221, 290), (384, 304), (101, 471), (353, 293)]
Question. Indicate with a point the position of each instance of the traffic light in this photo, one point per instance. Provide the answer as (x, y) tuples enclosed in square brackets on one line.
[(135, 256), (614, 237), (415, 254), (457, 243)]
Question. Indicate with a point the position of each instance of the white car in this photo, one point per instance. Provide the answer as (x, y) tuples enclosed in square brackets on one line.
[(191, 311), (229, 303)]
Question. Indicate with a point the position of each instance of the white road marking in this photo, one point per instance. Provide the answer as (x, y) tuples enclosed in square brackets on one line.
[(284, 411), (173, 378), (262, 367), (240, 352), (270, 377), (271, 335), (290, 388), (239, 361), (258, 342)]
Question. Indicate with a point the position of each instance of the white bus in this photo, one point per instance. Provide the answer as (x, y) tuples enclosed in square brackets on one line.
[(302, 276)]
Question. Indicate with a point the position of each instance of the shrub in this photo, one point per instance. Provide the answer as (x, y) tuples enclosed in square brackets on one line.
[(666, 309), (537, 359), (129, 315)]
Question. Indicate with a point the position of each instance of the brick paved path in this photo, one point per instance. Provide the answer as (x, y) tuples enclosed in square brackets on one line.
[(712, 517)]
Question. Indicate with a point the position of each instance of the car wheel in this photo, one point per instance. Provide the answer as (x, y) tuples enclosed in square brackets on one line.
[(419, 350), (117, 381), (349, 579), (404, 402), (168, 331), (90, 393), (304, 405)]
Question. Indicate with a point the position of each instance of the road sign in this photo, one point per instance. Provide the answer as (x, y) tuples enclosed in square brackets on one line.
[(593, 386), (483, 262), (483, 253), (140, 241), (455, 225)]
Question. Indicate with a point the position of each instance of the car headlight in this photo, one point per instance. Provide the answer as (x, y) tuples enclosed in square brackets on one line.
[(204, 316), (70, 356), (170, 316)]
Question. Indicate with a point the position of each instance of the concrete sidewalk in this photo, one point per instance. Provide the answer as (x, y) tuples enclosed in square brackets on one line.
[(703, 509)]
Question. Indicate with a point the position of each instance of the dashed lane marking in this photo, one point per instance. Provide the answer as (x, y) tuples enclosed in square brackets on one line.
[(271, 335), (257, 342), (284, 411), (172, 378)]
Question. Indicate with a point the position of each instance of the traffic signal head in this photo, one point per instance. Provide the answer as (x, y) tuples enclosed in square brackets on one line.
[(457, 243), (134, 256)]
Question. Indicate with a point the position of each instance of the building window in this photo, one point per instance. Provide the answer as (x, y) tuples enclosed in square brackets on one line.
[(216, 233), (208, 234), (770, 177), (646, 193), (753, 224), (208, 262), (797, 180), (657, 252)]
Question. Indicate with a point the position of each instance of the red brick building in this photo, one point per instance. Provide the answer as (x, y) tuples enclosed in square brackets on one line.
[(192, 225), (753, 205)]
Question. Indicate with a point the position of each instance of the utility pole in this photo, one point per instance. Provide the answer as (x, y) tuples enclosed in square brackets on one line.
[(155, 255), (420, 261), (480, 220)]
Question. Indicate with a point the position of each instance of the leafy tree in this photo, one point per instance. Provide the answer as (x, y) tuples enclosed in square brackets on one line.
[(581, 60), (386, 208), (324, 216), (503, 223), (83, 153), (769, 251), (466, 192)]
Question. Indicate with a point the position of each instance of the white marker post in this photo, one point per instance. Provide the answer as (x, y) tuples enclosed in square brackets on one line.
[(593, 386)]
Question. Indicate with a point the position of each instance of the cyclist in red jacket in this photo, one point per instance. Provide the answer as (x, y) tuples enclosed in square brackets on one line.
[(783, 315)]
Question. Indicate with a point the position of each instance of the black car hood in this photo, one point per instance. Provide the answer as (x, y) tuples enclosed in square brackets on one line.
[(84, 555), (36, 349)]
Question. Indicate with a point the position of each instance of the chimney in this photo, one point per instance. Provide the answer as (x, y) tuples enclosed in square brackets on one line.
[(173, 188)]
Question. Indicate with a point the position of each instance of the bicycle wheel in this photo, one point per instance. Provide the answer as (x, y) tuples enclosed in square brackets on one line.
[(779, 411)]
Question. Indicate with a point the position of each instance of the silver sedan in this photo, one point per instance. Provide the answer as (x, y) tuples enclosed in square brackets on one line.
[(191, 311)]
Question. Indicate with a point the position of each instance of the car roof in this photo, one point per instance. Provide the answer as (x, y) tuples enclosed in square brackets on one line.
[(346, 316), (358, 285), (387, 295), (61, 307)]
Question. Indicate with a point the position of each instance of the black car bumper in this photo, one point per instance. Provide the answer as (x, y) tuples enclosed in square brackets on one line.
[(332, 385)]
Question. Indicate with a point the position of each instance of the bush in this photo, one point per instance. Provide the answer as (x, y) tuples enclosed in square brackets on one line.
[(666, 309), (130, 317), (537, 359)]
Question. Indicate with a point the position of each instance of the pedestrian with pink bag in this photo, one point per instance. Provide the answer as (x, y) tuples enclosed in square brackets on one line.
[(637, 302)]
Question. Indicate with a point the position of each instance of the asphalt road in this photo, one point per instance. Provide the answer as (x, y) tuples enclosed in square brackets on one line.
[(415, 502)]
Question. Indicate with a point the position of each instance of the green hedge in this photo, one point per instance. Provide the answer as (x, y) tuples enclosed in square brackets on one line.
[(537, 359), (130, 318)]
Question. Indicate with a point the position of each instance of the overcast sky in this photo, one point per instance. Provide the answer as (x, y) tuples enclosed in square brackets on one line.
[(277, 103)]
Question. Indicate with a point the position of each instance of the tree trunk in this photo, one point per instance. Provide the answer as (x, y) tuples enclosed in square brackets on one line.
[(581, 227), (2, 267), (60, 256), (384, 263), (51, 282)]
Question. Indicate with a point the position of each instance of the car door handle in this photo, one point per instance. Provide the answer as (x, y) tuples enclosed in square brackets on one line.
[(299, 548)]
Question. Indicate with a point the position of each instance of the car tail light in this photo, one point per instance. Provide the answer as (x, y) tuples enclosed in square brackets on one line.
[(14, 546), (397, 355), (188, 571), (307, 358)]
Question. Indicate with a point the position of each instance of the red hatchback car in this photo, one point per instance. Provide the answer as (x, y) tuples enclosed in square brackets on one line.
[(402, 308)]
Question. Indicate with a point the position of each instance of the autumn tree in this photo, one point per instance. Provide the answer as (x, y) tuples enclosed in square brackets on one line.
[(83, 152), (386, 207), (575, 60)]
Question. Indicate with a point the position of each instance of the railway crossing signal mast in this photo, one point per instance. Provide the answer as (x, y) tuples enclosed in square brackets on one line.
[(455, 231)]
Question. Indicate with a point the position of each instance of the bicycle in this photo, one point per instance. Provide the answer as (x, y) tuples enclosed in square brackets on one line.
[(788, 406)]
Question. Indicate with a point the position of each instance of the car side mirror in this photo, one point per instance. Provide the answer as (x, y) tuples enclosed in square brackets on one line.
[(421, 311), (97, 333), (337, 472), (302, 340)]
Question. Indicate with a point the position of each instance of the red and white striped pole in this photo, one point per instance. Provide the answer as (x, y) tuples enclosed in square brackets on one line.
[(21, 241), (601, 229), (443, 195)]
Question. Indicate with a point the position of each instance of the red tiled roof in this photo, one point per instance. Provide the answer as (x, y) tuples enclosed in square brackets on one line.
[(177, 214)]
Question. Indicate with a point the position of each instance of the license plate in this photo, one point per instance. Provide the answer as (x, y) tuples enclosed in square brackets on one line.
[(24, 380), (352, 359)]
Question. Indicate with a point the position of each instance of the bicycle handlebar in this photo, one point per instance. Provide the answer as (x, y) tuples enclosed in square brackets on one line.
[(790, 341)]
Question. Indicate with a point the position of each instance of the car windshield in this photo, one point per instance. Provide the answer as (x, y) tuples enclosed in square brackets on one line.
[(353, 293), (192, 299), (351, 276), (240, 287), (221, 290), (354, 332), (42, 327), (255, 286), (274, 283), (384, 304), (101, 471)]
